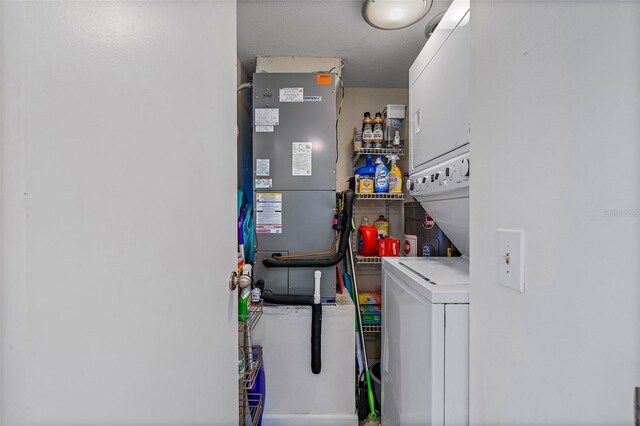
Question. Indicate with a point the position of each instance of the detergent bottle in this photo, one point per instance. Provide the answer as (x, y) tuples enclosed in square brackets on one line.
[(395, 175), (381, 181), (382, 226), (367, 170), (367, 238), (365, 175)]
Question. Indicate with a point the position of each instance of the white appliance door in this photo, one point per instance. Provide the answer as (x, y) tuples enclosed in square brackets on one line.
[(439, 102), (412, 355), (118, 213)]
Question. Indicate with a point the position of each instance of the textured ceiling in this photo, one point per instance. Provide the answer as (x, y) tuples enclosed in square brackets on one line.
[(373, 58)]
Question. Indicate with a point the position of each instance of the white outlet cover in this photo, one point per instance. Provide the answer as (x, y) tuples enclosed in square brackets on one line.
[(510, 259)]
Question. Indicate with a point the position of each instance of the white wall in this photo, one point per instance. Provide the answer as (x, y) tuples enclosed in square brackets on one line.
[(356, 102), (555, 151)]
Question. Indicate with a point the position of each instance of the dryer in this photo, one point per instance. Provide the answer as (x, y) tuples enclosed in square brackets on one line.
[(439, 92)]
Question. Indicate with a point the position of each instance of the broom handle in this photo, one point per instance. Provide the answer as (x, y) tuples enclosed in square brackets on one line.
[(372, 406)]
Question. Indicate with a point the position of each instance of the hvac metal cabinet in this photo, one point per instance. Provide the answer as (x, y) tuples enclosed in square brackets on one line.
[(294, 156)]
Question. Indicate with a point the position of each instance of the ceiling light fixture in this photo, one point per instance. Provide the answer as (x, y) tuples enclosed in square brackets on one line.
[(394, 14), (432, 24)]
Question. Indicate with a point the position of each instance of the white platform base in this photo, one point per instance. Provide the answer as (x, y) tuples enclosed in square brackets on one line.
[(296, 396), (309, 420)]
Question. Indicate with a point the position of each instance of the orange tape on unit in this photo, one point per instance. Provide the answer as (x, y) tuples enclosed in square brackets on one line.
[(323, 78)]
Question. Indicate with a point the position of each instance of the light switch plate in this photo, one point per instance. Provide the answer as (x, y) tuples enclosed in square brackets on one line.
[(511, 259)]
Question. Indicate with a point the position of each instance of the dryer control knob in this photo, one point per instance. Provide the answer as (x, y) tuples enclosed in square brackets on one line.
[(409, 185), (464, 168)]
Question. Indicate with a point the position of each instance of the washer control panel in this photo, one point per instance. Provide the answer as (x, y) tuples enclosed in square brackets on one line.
[(451, 175)]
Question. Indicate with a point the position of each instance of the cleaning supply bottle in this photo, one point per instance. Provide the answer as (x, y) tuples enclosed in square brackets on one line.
[(378, 135), (382, 226), (366, 120), (244, 298), (367, 136), (381, 181), (367, 170), (367, 238), (395, 175), (244, 304), (365, 175)]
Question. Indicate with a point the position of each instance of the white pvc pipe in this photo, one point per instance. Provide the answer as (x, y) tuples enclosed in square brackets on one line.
[(316, 288)]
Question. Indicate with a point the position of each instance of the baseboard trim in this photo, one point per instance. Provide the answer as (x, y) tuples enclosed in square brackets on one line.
[(310, 420)]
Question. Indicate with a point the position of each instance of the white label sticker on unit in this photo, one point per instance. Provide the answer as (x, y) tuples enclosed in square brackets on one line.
[(264, 183), (313, 98), (292, 94), (262, 167), (267, 117), (268, 212), (264, 129), (301, 158)]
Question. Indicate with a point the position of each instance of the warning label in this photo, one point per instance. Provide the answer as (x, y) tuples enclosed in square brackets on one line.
[(428, 222), (301, 158), (266, 117), (269, 212), (264, 183), (262, 167), (292, 94)]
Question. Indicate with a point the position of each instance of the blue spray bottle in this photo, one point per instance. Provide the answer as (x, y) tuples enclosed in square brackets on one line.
[(381, 183)]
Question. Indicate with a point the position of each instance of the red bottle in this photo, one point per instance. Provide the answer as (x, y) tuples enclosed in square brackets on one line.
[(367, 239)]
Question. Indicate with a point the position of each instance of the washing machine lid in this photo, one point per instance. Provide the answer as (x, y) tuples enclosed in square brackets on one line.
[(439, 279)]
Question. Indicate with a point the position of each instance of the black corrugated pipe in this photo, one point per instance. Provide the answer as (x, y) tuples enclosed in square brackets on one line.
[(334, 259)]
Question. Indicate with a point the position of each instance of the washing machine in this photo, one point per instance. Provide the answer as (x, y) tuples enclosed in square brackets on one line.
[(425, 341)]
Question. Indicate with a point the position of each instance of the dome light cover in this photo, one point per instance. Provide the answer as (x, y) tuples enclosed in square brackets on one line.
[(394, 14)]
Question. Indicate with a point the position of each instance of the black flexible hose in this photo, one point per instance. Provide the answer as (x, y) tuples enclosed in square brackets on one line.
[(316, 322), (334, 259), (316, 338), (287, 299)]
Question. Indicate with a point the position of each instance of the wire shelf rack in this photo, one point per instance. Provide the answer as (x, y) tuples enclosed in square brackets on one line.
[(371, 260), (251, 405), (371, 328), (377, 151), (380, 196), (253, 362), (255, 313)]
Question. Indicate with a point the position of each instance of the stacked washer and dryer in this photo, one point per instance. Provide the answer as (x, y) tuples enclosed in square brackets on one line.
[(425, 341)]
